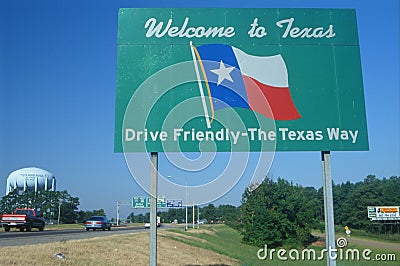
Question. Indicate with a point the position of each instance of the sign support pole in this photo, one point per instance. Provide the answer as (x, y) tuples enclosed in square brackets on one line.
[(117, 213), (186, 210), (328, 208), (153, 208)]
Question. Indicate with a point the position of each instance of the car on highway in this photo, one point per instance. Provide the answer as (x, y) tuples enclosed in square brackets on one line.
[(147, 225), (23, 219), (98, 222)]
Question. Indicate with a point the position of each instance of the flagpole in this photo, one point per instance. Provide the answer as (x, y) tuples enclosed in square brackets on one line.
[(200, 87)]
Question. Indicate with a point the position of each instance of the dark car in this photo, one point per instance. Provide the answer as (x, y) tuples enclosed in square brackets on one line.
[(98, 222)]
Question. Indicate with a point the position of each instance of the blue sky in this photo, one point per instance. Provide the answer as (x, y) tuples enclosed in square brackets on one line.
[(57, 97)]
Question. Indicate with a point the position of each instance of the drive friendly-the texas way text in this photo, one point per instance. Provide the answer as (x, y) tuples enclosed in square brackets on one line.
[(253, 134)]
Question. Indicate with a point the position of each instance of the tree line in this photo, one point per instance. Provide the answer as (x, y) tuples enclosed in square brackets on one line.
[(209, 214), (351, 200), (280, 213), (54, 206)]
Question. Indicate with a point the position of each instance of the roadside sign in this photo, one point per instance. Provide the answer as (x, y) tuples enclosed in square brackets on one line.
[(259, 79), (140, 202), (174, 203), (143, 202), (383, 213), (161, 202)]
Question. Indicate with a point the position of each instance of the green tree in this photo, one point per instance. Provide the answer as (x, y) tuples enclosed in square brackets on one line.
[(140, 218), (209, 213), (229, 214), (147, 217), (390, 191), (130, 218), (82, 216), (351, 200), (9, 202), (172, 214), (342, 194), (99, 212), (47, 203), (277, 213), (68, 207), (353, 212)]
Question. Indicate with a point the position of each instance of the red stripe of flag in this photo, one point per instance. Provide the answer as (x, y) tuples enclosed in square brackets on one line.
[(272, 102)]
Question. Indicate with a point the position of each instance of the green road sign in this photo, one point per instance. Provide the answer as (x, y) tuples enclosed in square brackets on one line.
[(140, 202), (161, 202), (229, 79), (143, 202)]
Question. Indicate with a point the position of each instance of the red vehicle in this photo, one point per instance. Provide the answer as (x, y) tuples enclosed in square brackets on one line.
[(23, 218)]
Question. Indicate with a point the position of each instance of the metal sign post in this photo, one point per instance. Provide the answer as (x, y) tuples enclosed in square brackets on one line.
[(328, 208), (117, 213), (153, 208), (121, 203)]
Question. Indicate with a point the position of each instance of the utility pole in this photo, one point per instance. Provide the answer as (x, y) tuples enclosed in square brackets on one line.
[(186, 225), (117, 213), (59, 212), (193, 214), (119, 204)]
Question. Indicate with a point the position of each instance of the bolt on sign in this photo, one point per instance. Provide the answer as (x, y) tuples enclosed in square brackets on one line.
[(234, 79)]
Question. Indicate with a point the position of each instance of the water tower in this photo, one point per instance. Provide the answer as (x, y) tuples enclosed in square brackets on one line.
[(30, 179)]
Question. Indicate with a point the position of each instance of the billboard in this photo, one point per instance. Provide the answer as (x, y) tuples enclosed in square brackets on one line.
[(234, 79), (382, 213)]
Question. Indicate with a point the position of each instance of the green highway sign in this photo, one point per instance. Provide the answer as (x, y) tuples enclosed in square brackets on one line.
[(161, 202), (140, 202), (143, 202), (237, 79)]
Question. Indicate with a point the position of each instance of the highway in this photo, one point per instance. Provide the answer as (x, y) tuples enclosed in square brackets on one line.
[(16, 238)]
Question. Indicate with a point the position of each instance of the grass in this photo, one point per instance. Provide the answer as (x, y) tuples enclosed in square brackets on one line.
[(339, 229), (224, 240), (369, 235), (64, 226), (220, 239)]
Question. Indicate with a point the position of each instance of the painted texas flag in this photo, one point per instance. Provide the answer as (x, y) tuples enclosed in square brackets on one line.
[(236, 79)]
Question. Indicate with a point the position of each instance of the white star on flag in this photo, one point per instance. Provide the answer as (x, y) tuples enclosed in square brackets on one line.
[(223, 73)]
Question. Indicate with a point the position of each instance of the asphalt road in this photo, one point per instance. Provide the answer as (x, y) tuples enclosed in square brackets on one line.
[(16, 238)]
